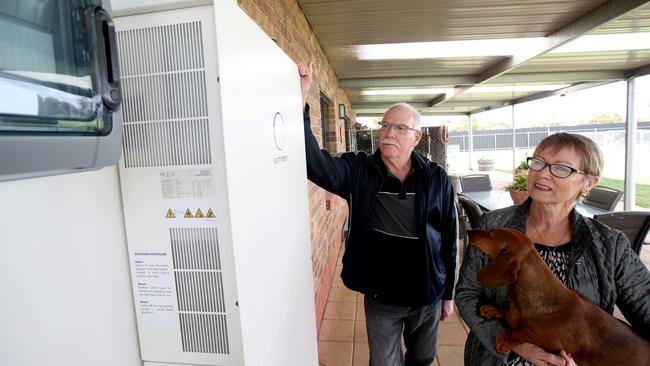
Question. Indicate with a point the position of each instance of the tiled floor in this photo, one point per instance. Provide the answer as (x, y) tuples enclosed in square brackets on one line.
[(342, 340)]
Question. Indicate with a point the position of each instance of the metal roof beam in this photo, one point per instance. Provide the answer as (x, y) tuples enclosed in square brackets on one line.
[(452, 81), (589, 21), (473, 102), (425, 105), (641, 71), (385, 105), (562, 92), (604, 13), (423, 113), (558, 77), (415, 81)]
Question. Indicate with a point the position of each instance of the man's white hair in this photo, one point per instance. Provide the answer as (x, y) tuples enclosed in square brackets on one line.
[(414, 112)]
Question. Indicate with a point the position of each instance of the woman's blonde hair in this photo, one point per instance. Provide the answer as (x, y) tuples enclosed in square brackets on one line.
[(592, 157)]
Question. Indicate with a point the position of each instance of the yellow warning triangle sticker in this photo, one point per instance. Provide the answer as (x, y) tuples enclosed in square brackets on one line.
[(210, 214), (199, 214), (170, 214), (188, 214)]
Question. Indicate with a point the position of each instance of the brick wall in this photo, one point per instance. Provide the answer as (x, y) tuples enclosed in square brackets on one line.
[(285, 23)]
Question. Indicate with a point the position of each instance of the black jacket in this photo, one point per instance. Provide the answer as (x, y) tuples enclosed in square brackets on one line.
[(602, 267), (357, 178)]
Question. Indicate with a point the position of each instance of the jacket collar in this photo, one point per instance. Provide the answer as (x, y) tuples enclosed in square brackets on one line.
[(582, 228)]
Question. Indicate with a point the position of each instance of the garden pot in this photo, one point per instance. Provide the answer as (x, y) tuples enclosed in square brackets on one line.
[(485, 164), (518, 196)]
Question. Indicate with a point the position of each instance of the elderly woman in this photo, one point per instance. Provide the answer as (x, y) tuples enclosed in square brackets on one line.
[(584, 254)]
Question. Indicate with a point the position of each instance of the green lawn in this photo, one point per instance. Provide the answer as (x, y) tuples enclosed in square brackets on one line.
[(642, 190)]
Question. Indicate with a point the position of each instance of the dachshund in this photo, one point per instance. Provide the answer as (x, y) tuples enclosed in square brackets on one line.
[(546, 313)]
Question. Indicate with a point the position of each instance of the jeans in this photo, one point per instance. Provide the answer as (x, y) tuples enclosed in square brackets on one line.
[(386, 324)]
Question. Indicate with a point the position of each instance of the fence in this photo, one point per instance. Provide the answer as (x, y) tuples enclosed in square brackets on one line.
[(429, 145), (501, 139)]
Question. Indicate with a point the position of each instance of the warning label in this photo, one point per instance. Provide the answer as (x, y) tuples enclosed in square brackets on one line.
[(187, 183), (188, 213)]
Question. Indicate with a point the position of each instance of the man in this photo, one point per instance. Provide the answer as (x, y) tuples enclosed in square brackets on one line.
[(401, 248)]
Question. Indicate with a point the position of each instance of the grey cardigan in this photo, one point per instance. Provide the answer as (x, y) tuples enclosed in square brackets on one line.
[(602, 267)]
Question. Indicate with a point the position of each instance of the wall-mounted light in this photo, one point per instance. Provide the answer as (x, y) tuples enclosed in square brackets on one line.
[(342, 111)]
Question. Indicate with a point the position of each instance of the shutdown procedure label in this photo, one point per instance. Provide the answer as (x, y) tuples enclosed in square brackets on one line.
[(153, 282)]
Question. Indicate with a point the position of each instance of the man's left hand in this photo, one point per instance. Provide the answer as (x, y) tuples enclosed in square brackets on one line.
[(447, 309), (306, 70)]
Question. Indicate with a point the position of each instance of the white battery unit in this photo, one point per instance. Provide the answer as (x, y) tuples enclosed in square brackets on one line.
[(214, 189)]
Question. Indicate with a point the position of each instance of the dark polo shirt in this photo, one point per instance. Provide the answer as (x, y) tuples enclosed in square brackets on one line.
[(398, 258)]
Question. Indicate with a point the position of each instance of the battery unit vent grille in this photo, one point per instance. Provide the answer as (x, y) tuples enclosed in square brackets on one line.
[(204, 333), (164, 108), (199, 287)]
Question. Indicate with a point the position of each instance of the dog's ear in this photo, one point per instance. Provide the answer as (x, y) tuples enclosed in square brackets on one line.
[(500, 271), (481, 239)]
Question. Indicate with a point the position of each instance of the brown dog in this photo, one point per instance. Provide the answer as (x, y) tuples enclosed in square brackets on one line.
[(546, 313)]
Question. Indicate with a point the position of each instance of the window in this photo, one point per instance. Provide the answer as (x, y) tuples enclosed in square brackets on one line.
[(350, 142), (59, 87), (328, 123)]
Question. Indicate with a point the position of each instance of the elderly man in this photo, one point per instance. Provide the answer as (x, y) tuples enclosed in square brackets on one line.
[(401, 248)]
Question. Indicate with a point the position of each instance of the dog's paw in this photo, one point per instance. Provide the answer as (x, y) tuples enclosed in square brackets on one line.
[(490, 312), (501, 345)]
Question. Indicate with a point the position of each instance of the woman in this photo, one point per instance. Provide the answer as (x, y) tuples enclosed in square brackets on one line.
[(584, 254)]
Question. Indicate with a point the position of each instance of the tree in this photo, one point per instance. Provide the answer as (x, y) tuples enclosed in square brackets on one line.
[(606, 118)]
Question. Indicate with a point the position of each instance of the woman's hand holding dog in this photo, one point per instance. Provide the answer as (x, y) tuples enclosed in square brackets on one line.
[(539, 357)]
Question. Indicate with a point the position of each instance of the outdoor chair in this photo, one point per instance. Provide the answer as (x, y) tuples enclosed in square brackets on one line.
[(604, 198), (475, 183), (469, 216), (471, 210), (634, 224), (463, 224)]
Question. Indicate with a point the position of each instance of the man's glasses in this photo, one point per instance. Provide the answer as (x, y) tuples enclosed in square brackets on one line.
[(558, 170), (400, 128)]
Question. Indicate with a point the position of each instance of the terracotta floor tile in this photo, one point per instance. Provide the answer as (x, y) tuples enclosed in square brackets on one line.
[(342, 295), (334, 353), (453, 318), (451, 334), (336, 330), (450, 355), (343, 338), (337, 282), (465, 326), (360, 334), (360, 297), (361, 312), (340, 310), (360, 356)]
